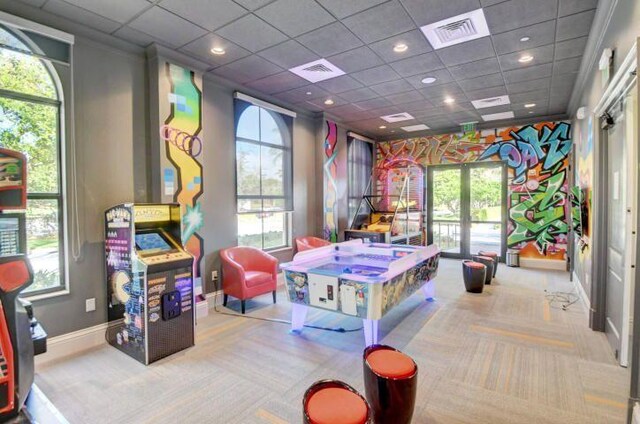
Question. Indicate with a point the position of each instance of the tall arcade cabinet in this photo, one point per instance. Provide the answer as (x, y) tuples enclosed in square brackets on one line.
[(150, 288)]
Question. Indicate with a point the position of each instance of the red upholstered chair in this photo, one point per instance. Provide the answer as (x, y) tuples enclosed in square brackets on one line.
[(247, 272), (310, 242)]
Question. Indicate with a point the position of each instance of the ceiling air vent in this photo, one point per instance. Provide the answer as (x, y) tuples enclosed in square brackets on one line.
[(418, 127), (397, 117), (458, 29), (491, 101), (318, 70), (498, 116)]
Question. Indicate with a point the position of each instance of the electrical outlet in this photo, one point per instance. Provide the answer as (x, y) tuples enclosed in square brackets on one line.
[(90, 304), (214, 275)]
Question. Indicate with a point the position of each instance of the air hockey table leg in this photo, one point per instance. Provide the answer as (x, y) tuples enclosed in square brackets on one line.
[(370, 331), (429, 290), (298, 315)]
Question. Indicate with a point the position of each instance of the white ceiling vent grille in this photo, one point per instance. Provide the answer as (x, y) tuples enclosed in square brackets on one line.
[(458, 29), (318, 70), (490, 102), (419, 127), (498, 116), (397, 117)]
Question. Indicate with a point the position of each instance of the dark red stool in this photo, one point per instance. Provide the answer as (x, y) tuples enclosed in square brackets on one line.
[(492, 255), (334, 402), (474, 274), (488, 262), (390, 384)]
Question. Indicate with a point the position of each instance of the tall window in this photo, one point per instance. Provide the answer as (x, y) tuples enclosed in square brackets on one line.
[(30, 106), (263, 176), (360, 167)]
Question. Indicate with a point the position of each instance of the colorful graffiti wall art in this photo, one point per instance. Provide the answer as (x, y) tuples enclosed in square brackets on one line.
[(537, 157), (330, 207), (180, 133)]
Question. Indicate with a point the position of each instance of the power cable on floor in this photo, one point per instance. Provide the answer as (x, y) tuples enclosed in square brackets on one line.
[(561, 300)]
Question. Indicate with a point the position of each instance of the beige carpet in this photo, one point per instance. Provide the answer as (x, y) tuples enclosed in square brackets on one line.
[(505, 356)]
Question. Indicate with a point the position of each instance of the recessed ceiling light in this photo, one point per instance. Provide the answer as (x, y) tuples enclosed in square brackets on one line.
[(525, 59), (218, 51), (525, 38), (528, 105), (530, 111), (429, 80), (328, 102), (400, 47), (449, 100), (308, 93), (382, 127)]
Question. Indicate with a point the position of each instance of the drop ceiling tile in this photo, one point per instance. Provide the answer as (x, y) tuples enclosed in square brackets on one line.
[(570, 48), (209, 14), (513, 14), (355, 116), (252, 33), (252, 4), (289, 54), (34, 3), (342, 9), (417, 106), (562, 84), (475, 69), (295, 17), (347, 111), (415, 41), (528, 73), (167, 27), (569, 7), (408, 97), (376, 75), (298, 95), (380, 22), (574, 26), (529, 113), (392, 87), (464, 116), (540, 55), (485, 81), (337, 101), (278, 83), (417, 64), (388, 110), (250, 68), (330, 40), (531, 85), (426, 12), (202, 49), (116, 10), (470, 51), (134, 36), (539, 35), (529, 97), (441, 91), (339, 84), (359, 94), (487, 93), (78, 14), (356, 59), (559, 103), (442, 76), (371, 104), (567, 66)]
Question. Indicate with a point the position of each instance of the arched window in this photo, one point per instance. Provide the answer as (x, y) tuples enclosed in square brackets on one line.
[(30, 122)]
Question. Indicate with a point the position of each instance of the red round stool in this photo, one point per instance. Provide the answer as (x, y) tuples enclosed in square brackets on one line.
[(334, 402), (390, 384), (492, 255), (489, 263), (474, 275)]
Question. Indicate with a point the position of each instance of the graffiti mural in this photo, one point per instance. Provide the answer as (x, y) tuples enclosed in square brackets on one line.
[(537, 159), (330, 207), (181, 169)]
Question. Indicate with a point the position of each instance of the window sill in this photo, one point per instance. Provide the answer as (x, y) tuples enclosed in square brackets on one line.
[(279, 249), (36, 297)]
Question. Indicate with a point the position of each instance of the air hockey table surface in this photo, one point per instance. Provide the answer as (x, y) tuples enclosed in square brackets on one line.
[(364, 280)]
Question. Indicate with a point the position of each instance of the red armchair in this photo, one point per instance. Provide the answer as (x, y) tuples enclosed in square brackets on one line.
[(247, 272), (309, 242)]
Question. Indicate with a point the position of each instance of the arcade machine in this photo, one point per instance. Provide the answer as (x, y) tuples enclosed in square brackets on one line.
[(21, 336), (394, 216), (149, 281)]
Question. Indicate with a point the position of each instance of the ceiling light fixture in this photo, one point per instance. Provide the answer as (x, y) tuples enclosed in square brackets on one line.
[(429, 80), (528, 105), (525, 38), (308, 93), (449, 100), (382, 127), (218, 51), (400, 47), (525, 59), (328, 102)]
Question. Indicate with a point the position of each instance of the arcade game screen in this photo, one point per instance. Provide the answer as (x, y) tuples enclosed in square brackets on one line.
[(152, 242)]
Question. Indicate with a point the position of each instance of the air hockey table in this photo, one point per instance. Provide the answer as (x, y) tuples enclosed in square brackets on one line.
[(358, 279)]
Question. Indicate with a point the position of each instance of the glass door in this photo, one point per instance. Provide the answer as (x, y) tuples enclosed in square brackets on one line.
[(444, 219), (487, 208)]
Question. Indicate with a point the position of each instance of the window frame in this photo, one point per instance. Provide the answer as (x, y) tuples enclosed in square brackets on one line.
[(60, 195)]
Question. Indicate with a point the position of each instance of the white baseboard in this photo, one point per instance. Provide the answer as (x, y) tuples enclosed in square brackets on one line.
[(553, 264), (635, 417), (202, 308), (71, 343)]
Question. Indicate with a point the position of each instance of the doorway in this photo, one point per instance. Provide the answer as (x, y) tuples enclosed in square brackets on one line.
[(467, 208)]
